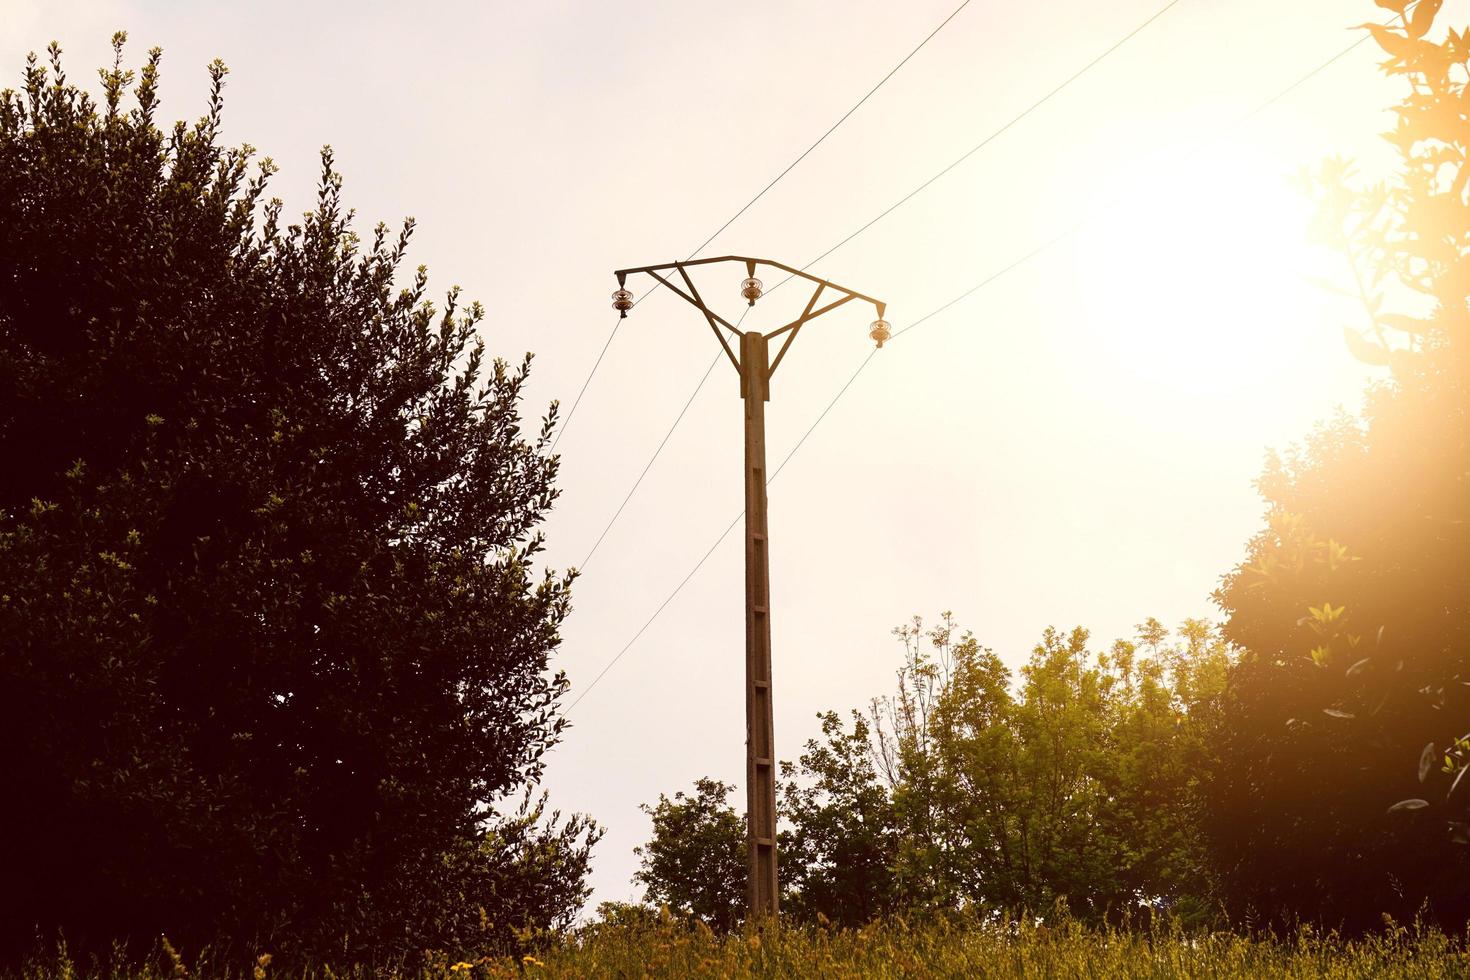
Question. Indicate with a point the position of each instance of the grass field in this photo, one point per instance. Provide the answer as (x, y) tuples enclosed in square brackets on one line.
[(890, 950)]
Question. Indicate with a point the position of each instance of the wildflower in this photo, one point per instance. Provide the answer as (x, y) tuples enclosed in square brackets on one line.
[(530, 960), (461, 967)]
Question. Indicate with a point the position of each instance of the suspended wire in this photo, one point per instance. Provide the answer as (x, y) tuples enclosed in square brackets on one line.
[(840, 392), (731, 220), (1050, 243), (677, 589), (1011, 266), (1303, 80), (893, 71), (649, 464), (902, 201), (595, 365), (988, 139), (976, 148)]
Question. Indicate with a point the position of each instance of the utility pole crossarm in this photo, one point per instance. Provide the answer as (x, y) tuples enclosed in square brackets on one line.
[(795, 327), (653, 270), (696, 303), (710, 316)]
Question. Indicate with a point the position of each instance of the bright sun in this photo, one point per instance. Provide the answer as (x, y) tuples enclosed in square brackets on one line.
[(1197, 275)]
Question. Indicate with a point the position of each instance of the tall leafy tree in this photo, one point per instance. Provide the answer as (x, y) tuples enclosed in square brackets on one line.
[(1074, 782), (1353, 604), (968, 788), (837, 845), (274, 660), (695, 861), (840, 851)]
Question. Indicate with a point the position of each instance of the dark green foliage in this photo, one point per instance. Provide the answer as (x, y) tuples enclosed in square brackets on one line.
[(838, 857), (1354, 603), (695, 861), (271, 645), (1075, 788), (836, 853), (1075, 784), (634, 941)]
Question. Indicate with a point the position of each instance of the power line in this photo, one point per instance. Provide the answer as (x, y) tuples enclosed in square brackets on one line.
[(893, 71), (1080, 72), (989, 139), (1055, 240), (731, 220), (649, 465), (903, 200), (907, 197), (677, 589), (595, 365), (981, 145), (1300, 82), (1009, 267)]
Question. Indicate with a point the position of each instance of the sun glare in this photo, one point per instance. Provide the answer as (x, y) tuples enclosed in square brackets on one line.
[(1197, 275)]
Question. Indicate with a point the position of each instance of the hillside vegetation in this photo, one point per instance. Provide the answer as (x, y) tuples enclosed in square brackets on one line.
[(665, 947)]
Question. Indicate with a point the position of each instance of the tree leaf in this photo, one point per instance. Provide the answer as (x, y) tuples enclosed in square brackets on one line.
[(1338, 713), (1408, 805), (1364, 349), (1426, 759), (1391, 41), (1423, 17)]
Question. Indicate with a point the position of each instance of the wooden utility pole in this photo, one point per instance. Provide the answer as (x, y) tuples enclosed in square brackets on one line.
[(760, 735), (755, 367)]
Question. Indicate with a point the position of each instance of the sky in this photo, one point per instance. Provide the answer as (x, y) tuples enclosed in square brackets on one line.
[(1074, 443)]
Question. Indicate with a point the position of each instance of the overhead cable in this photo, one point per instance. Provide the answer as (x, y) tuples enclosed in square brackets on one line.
[(967, 293), (902, 201), (990, 138), (762, 193)]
